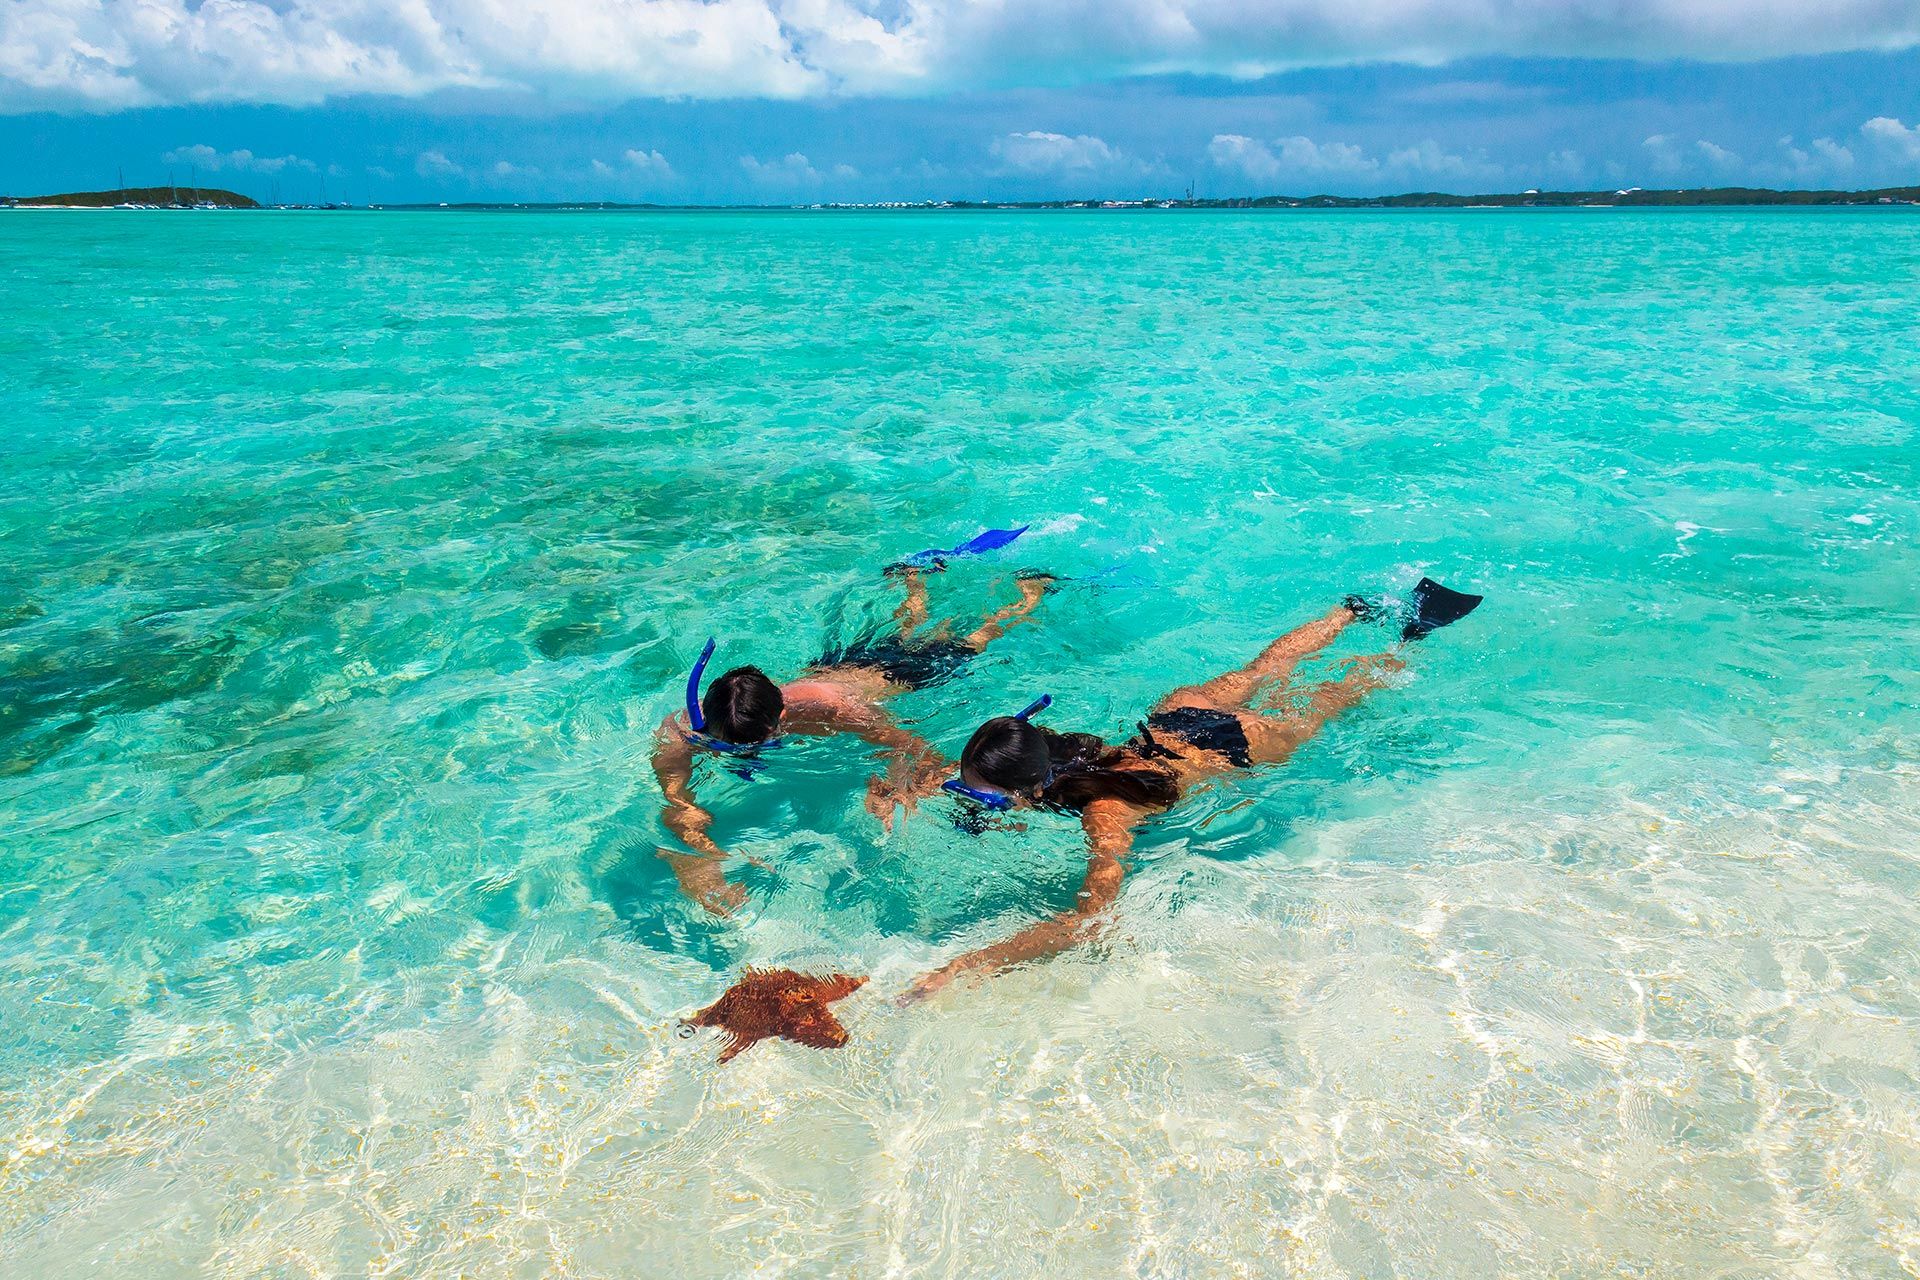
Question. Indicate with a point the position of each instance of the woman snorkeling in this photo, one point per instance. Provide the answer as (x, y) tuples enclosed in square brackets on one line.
[(743, 713), (1194, 733)]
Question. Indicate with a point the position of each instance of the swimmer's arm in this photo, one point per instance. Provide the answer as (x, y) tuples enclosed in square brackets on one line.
[(871, 724), (914, 768), (1109, 826), (699, 875)]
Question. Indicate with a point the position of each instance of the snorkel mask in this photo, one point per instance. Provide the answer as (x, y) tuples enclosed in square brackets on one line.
[(695, 717), (998, 801)]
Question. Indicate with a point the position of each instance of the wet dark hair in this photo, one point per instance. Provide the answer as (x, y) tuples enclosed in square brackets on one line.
[(1016, 757), (743, 706)]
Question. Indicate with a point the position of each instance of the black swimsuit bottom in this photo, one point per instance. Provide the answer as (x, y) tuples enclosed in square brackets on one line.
[(917, 666), (1207, 729)]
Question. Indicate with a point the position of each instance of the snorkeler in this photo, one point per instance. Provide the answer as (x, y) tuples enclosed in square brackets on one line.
[(1194, 733), (743, 713)]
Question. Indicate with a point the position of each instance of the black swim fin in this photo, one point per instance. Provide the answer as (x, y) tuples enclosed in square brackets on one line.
[(1434, 606)]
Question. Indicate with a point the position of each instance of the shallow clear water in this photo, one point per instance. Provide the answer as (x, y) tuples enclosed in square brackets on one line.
[(350, 560)]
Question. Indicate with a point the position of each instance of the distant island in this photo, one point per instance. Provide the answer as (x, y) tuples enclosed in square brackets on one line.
[(1627, 198), (139, 198)]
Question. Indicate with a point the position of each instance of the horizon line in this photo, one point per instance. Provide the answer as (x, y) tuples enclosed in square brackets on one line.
[(1631, 197)]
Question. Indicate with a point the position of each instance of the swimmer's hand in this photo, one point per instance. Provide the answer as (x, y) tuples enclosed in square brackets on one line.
[(723, 899), (927, 986), (701, 879), (885, 794)]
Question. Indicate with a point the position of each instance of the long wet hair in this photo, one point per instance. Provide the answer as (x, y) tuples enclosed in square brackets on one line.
[(1070, 770)]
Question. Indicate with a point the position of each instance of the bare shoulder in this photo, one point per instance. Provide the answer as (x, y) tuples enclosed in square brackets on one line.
[(820, 699)]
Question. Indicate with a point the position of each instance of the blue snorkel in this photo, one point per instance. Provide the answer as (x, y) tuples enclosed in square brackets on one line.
[(697, 718), (998, 801)]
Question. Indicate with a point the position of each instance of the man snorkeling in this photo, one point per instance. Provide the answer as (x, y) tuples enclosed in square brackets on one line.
[(1194, 733), (744, 714)]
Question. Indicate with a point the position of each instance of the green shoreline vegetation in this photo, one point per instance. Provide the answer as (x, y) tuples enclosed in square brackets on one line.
[(1631, 198), (169, 197)]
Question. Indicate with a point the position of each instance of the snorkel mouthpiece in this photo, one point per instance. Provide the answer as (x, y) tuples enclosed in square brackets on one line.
[(998, 801)]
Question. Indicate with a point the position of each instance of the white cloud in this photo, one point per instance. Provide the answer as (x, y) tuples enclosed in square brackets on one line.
[(1903, 141), (434, 164), (1038, 152), (1296, 156), (1304, 159), (202, 156), (1833, 153), (1827, 159), (1567, 166), (651, 162), (1822, 161), (1664, 152), (1717, 156), (792, 170), (112, 54), (1429, 160)]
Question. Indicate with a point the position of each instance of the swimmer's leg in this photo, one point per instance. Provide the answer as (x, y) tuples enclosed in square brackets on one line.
[(1233, 690), (1271, 739), (1033, 588), (912, 613)]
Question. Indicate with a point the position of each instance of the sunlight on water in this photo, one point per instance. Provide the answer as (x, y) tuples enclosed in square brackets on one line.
[(352, 560)]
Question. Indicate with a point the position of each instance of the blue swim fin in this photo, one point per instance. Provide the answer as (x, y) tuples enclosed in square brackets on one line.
[(1435, 606), (990, 540)]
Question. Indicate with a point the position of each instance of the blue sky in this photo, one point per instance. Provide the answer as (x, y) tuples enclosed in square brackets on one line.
[(772, 101)]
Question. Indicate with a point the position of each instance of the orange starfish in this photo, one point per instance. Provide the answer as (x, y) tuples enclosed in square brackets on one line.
[(779, 1002)]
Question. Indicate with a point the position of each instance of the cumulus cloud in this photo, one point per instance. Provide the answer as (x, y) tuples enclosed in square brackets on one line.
[(1429, 159), (636, 163), (1302, 159), (202, 156), (1567, 165), (1664, 153), (434, 164), (1038, 152), (112, 54), (1289, 157), (1902, 141), (1823, 158), (792, 170), (1717, 156)]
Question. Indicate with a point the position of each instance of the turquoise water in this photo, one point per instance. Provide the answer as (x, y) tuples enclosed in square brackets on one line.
[(350, 561)]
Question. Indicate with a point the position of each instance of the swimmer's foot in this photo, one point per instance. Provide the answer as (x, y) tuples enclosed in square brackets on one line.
[(1035, 583), (1430, 607), (1363, 609)]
